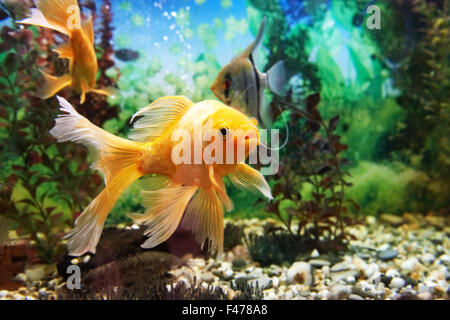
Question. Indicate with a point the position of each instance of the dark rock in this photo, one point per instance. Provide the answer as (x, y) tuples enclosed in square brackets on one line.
[(238, 264)]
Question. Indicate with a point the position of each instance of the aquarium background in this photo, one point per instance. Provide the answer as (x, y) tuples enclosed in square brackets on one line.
[(383, 105)]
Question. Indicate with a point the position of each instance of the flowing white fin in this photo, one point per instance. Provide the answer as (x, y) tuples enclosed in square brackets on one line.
[(58, 15), (117, 158), (204, 217), (165, 208), (276, 78), (159, 117), (245, 177)]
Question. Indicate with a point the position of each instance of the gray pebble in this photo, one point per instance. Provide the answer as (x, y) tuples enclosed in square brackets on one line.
[(319, 263), (388, 254)]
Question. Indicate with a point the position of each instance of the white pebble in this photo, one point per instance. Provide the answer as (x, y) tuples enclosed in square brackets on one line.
[(428, 258), (392, 273), (300, 272), (315, 254), (134, 226), (410, 264), (397, 282), (275, 282), (86, 259)]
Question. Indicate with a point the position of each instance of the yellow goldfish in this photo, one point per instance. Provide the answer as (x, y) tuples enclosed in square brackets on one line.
[(239, 84), (64, 16), (190, 192)]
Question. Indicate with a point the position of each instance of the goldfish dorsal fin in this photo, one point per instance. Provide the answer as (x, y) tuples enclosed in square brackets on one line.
[(204, 217), (255, 44), (88, 29), (245, 177), (159, 117)]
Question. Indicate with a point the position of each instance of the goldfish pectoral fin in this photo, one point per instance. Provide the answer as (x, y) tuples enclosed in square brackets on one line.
[(65, 51), (276, 78), (53, 84), (159, 117), (219, 186), (84, 89), (165, 208), (204, 217), (245, 177)]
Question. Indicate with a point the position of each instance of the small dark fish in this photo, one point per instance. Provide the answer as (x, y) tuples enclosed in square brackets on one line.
[(127, 54), (239, 84)]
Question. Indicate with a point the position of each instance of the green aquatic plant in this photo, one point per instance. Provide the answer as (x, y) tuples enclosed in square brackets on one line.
[(418, 61), (233, 235), (44, 184), (314, 161), (276, 247)]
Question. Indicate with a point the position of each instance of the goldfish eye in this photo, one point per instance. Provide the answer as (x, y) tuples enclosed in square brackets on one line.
[(224, 131)]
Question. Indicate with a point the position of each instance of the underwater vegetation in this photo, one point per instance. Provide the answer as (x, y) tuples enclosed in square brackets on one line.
[(44, 185), (367, 113)]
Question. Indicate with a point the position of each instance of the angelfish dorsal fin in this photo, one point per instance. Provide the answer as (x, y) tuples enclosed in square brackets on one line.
[(159, 117), (259, 37)]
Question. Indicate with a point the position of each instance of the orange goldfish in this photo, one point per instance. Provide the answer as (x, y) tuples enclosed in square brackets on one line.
[(190, 192), (64, 16)]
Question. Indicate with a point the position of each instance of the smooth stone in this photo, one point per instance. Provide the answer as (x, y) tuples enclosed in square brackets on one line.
[(319, 263), (315, 254), (428, 258), (392, 273), (387, 255), (344, 275), (355, 297), (341, 266), (397, 282), (275, 282), (371, 269), (262, 283), (301, 273), (227, 274), (43, 293), (339, 291), (425, 295), (20, 277), (391, 219), (3, 293), (36, 273), (207, 277), (410, 264)]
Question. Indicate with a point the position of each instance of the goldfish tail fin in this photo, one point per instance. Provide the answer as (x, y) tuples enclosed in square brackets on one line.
[(117, 159), (165, 208), (53, 85), (204, 217), (276, 78), (59, 15)]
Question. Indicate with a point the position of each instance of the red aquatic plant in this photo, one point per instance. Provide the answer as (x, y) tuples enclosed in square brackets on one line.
[(314, 157), (43, 184)]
